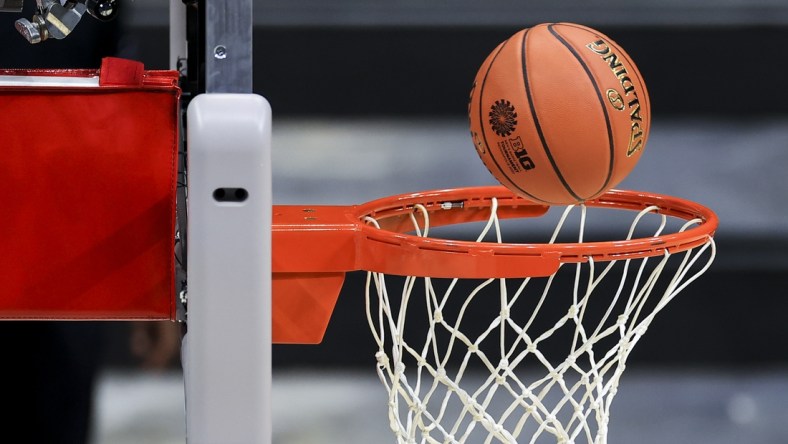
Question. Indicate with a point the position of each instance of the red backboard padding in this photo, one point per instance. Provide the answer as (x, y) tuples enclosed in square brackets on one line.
[(88, 178)]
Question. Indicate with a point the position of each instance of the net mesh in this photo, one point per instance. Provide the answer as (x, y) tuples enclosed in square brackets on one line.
[(519, 360)]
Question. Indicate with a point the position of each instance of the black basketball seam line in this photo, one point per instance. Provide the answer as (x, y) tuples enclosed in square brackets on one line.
[(484, 133), (590, 75), (645, 98), (538, 127), (621, 53)]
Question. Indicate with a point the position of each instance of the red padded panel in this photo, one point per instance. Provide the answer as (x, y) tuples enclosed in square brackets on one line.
[(88, 178)]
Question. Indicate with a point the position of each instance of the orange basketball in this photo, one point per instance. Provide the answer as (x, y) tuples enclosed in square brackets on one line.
[(559, 113)]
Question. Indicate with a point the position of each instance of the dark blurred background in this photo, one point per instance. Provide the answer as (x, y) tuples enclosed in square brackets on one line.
[(407, 57)]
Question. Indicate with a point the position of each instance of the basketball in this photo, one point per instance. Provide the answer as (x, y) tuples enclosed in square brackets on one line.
[(559, 113)]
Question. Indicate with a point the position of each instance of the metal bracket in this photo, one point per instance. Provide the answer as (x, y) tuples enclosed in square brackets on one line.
[(228, 46)]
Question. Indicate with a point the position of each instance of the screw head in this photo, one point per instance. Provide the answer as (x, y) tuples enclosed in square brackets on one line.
[(220, 52)]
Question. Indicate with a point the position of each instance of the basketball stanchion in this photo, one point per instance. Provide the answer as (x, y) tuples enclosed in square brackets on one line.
[(558, 318)]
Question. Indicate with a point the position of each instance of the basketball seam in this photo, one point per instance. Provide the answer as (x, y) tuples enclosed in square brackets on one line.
[(622, 54), (538, 127), (484, 133), (591, 77)]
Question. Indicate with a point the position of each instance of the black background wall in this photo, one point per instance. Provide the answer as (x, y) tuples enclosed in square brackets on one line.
[(735, 71)]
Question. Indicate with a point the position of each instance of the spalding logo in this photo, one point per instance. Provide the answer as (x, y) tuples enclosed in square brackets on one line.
[(601, 48)]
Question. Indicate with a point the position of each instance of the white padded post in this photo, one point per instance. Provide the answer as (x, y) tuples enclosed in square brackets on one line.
[(227, 349), (178, 49)]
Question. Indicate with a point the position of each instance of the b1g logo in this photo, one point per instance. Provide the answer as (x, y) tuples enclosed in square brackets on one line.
[(515, 154), (503, 118), (522, 155)]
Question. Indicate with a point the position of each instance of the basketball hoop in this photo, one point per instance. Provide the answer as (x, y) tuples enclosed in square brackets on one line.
[(560, 317)]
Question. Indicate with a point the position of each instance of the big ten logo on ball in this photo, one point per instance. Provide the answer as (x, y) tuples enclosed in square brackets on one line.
[(614, 62), (517, 158), (503, 121)]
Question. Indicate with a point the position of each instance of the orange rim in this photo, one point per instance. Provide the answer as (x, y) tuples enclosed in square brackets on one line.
[(509, 259), (391, 250), (313, 246)]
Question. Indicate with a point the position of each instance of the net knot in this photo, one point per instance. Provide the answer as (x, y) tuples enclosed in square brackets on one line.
[(624, 346), (399, 368), (641, 330), (473, 348), (382, 358), (477, 416), (505, 313), (573, 309), (622, 320), (438, 316)]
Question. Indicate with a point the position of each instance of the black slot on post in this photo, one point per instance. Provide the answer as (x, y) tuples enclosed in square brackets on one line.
[(230, 194)]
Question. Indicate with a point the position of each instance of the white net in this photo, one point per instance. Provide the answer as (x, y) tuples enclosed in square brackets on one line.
[(534, 360)]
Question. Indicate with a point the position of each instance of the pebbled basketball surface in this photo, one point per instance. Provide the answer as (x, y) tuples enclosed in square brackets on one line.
[(559, 113)]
